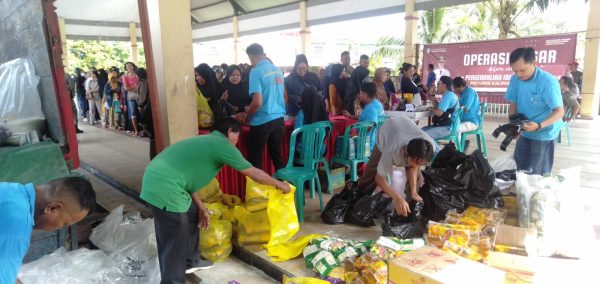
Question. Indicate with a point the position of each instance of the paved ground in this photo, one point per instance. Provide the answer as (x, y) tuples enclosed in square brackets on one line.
[(124, 158)]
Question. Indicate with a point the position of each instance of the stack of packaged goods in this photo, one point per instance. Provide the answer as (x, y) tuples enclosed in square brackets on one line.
[(253, 225), (346, 261), (387, 248), (215, 241), (470, 234)]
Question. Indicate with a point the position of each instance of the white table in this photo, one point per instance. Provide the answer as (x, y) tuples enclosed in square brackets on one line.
[(416, 115)]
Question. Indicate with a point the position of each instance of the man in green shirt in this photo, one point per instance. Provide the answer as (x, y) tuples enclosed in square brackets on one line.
[(170, 186)]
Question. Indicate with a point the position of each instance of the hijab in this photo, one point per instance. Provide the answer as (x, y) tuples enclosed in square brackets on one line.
[(313, 107), (210, 87), (238, 93)]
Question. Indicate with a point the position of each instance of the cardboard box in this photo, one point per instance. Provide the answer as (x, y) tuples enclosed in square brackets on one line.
[(430, 265), (519, 269), (510, 205), (338, 178), (511, 239), (524, 270)]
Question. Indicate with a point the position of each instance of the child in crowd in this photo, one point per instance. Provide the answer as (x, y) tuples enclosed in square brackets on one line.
[(119, 117)]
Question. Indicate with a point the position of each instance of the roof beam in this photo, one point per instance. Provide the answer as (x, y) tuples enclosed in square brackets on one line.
[(209, 5), (237, 8)]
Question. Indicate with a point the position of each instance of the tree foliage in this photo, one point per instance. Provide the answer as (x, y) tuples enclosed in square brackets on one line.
[(86, 54)]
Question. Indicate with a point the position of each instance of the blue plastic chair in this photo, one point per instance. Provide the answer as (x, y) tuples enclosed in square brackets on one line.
[(481, 145), (343, 156), (455, 129), (312, 139)]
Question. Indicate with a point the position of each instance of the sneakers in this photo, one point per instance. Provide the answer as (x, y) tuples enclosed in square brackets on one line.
[(202, 264), (77, 130), (85, 119)]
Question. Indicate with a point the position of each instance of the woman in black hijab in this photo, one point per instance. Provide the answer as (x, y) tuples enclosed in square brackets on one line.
[(296, 82), (207, 83), (237, 93), (312, 108)]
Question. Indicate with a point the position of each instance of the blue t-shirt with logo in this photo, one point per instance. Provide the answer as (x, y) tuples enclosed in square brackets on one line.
[(371, 112), (16, 220), (470, 100), (536, 98), (267, 79)]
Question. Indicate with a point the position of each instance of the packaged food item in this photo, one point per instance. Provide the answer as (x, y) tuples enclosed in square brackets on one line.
[(231, 200), (373, 269), (391, 247), (350, 276), (463, 251), (215, 241), (304, 280), (211, 193)]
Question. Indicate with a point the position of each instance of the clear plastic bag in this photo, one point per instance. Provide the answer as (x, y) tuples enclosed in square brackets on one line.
[(113, 236), (19, 97)]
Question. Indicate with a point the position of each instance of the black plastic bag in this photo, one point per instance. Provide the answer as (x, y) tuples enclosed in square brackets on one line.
[(507, 175), (368, 208), (479, 178), (448, 158), (336, 209), (412, 226)]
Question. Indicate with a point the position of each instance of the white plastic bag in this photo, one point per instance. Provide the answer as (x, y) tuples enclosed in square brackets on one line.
[(112, 236), (19, 97), (506, 162), (553, 206)]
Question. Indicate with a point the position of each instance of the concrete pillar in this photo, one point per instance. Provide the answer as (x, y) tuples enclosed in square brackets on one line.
[(236, 40), (63, 40), (133, 40), (304, 29), (167, 35), (411, 17), (591, 71)]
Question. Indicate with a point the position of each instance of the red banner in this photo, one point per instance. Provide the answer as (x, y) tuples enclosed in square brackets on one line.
[(485, 65)]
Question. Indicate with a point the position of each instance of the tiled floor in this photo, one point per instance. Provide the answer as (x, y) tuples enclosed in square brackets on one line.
[(125, 158)]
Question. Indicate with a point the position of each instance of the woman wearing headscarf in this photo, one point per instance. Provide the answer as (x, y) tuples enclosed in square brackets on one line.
[(297, 81), (113, 85), (234, 91), (208, 85), (379, 79), (312, 109)]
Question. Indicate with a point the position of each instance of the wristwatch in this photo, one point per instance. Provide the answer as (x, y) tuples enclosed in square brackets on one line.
[(539, 126)]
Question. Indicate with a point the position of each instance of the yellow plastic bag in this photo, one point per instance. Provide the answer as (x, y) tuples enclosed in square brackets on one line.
[(282, 216), (231, 200), (215, 241), (256, 191), (211, 192), (205, 114), (305, 280), (219, 211), (292, 249)]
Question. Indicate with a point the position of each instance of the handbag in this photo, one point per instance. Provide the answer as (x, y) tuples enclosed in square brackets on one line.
[(205, 114), (444, 119)]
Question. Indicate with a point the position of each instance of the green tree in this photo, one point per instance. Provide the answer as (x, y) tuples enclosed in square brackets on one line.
[(431, 25), (468, 23), (86, 54), (387, 48), (507, 12)]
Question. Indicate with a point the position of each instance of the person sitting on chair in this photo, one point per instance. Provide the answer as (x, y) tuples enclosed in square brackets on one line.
[(372, 109), (442, 110)]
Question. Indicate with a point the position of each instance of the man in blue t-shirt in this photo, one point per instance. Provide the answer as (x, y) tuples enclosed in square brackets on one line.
[(536, 94), (449, 103), (469, 101), (48, 207), (267, 109), (372, 109)]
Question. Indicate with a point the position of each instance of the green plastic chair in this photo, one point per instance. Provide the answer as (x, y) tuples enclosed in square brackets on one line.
[(343, 157), (313, 137), (454, 129), (328, 126), (481, 145), (566, 128)]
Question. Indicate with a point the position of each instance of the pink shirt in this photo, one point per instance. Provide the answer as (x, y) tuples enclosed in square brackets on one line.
[(130, 81)]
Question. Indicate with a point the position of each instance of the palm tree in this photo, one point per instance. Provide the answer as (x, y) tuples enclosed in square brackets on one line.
[(469, 23), (431, 25), (507, 11), (388, 47)]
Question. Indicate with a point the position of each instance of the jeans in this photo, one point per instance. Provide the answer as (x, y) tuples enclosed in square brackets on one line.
[(534, 156), (132, 109), (177, 238), (270, 133), (83, 104), (95, 108), (437, 132)]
